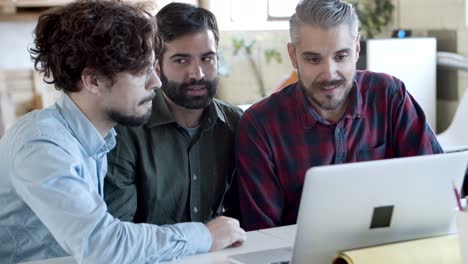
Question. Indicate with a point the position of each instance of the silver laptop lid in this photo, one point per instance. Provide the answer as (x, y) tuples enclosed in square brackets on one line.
[(376, 202)]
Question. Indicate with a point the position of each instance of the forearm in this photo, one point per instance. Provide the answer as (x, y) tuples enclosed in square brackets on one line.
[(91, 235), (67, 202)]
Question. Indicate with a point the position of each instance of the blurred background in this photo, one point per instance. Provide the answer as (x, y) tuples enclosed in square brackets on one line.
[(423, 42)]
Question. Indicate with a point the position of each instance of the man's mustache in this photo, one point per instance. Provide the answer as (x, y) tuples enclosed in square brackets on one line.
[(197, 82), (330, 83), (147, 99)]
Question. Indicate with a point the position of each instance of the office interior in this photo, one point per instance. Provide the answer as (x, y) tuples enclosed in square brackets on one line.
[(434, 27), (431, 57)]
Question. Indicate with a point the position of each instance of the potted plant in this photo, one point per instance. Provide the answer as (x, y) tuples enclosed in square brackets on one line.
[(373, 15), (239, 44)]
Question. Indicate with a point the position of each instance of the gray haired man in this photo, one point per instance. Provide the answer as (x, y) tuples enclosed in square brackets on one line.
[(333, 114)]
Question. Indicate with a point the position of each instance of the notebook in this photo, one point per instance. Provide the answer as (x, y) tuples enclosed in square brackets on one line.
[(440, 250), (356, 205)]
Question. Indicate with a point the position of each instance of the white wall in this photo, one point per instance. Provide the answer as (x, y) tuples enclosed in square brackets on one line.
[(239, 86), (436, 14), (16, 38)]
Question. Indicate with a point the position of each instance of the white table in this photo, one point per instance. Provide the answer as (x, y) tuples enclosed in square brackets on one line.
[(284, 233), (264, 239), (256, 241)]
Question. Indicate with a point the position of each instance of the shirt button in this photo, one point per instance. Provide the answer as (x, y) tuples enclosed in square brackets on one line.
[(195, 209), (194, 177)]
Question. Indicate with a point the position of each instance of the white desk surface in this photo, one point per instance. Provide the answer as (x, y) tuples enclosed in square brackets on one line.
[(256, 241), (284, 233)]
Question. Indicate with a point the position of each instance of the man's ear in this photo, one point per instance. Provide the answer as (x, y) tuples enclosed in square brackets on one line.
[(292, 55), (91, 81), (158, 69), (358, 46)]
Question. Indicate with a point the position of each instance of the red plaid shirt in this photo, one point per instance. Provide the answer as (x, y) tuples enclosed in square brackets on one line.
[(280, 137)]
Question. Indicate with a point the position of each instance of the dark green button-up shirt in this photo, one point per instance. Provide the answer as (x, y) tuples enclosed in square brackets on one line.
[(158, 174)]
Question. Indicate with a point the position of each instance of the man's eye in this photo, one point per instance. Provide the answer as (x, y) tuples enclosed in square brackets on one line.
[(207, 59), (341, 57), (313, 60), (180, 61)]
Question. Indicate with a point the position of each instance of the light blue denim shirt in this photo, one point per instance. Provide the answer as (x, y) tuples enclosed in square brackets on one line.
[(52, 167)]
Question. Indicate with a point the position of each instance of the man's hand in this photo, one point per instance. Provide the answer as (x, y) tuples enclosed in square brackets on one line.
[(225, 231)]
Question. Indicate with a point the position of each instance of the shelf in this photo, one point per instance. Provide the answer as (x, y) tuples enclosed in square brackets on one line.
[(24, 10)]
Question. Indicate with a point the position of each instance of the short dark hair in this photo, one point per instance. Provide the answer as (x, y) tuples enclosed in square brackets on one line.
[(178, 19), (107, 36)]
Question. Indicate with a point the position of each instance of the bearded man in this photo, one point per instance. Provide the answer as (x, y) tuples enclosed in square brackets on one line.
[(179, 166), (333, 114)]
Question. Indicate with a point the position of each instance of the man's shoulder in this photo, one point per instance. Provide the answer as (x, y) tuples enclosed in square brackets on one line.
[(278, 102), (46, 123), (377, 82), (229, 112), (228, 108), (45, 126)]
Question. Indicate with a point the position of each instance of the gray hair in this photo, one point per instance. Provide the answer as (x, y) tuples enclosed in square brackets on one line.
[(323, 13)]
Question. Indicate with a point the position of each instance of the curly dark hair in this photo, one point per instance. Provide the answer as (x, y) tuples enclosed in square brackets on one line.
[(178, 19), (106, 36)]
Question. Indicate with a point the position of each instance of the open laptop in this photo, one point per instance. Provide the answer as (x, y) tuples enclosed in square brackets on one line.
[(363, 204)]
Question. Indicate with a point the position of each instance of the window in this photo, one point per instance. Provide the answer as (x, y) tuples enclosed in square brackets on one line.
[(253, 14), (280, 9)]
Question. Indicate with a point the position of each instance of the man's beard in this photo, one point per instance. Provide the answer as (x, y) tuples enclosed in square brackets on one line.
[(330, 104), (131, 120), (177, 92), (127, 120)]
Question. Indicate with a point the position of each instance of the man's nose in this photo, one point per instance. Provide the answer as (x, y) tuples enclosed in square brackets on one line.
[(328, 71), (153, 81), (196, 71)]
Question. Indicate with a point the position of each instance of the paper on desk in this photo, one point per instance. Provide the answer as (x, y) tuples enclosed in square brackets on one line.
[(437, 250)]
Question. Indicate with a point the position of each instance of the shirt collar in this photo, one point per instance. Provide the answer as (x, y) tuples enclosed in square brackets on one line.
[(355, 108), (161, 114), (309, 116), (84, 131)]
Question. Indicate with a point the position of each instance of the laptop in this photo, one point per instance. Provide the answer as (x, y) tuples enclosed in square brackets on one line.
[(355, 205)]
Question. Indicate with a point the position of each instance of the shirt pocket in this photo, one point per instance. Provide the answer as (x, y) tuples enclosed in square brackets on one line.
[(371, 153)]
